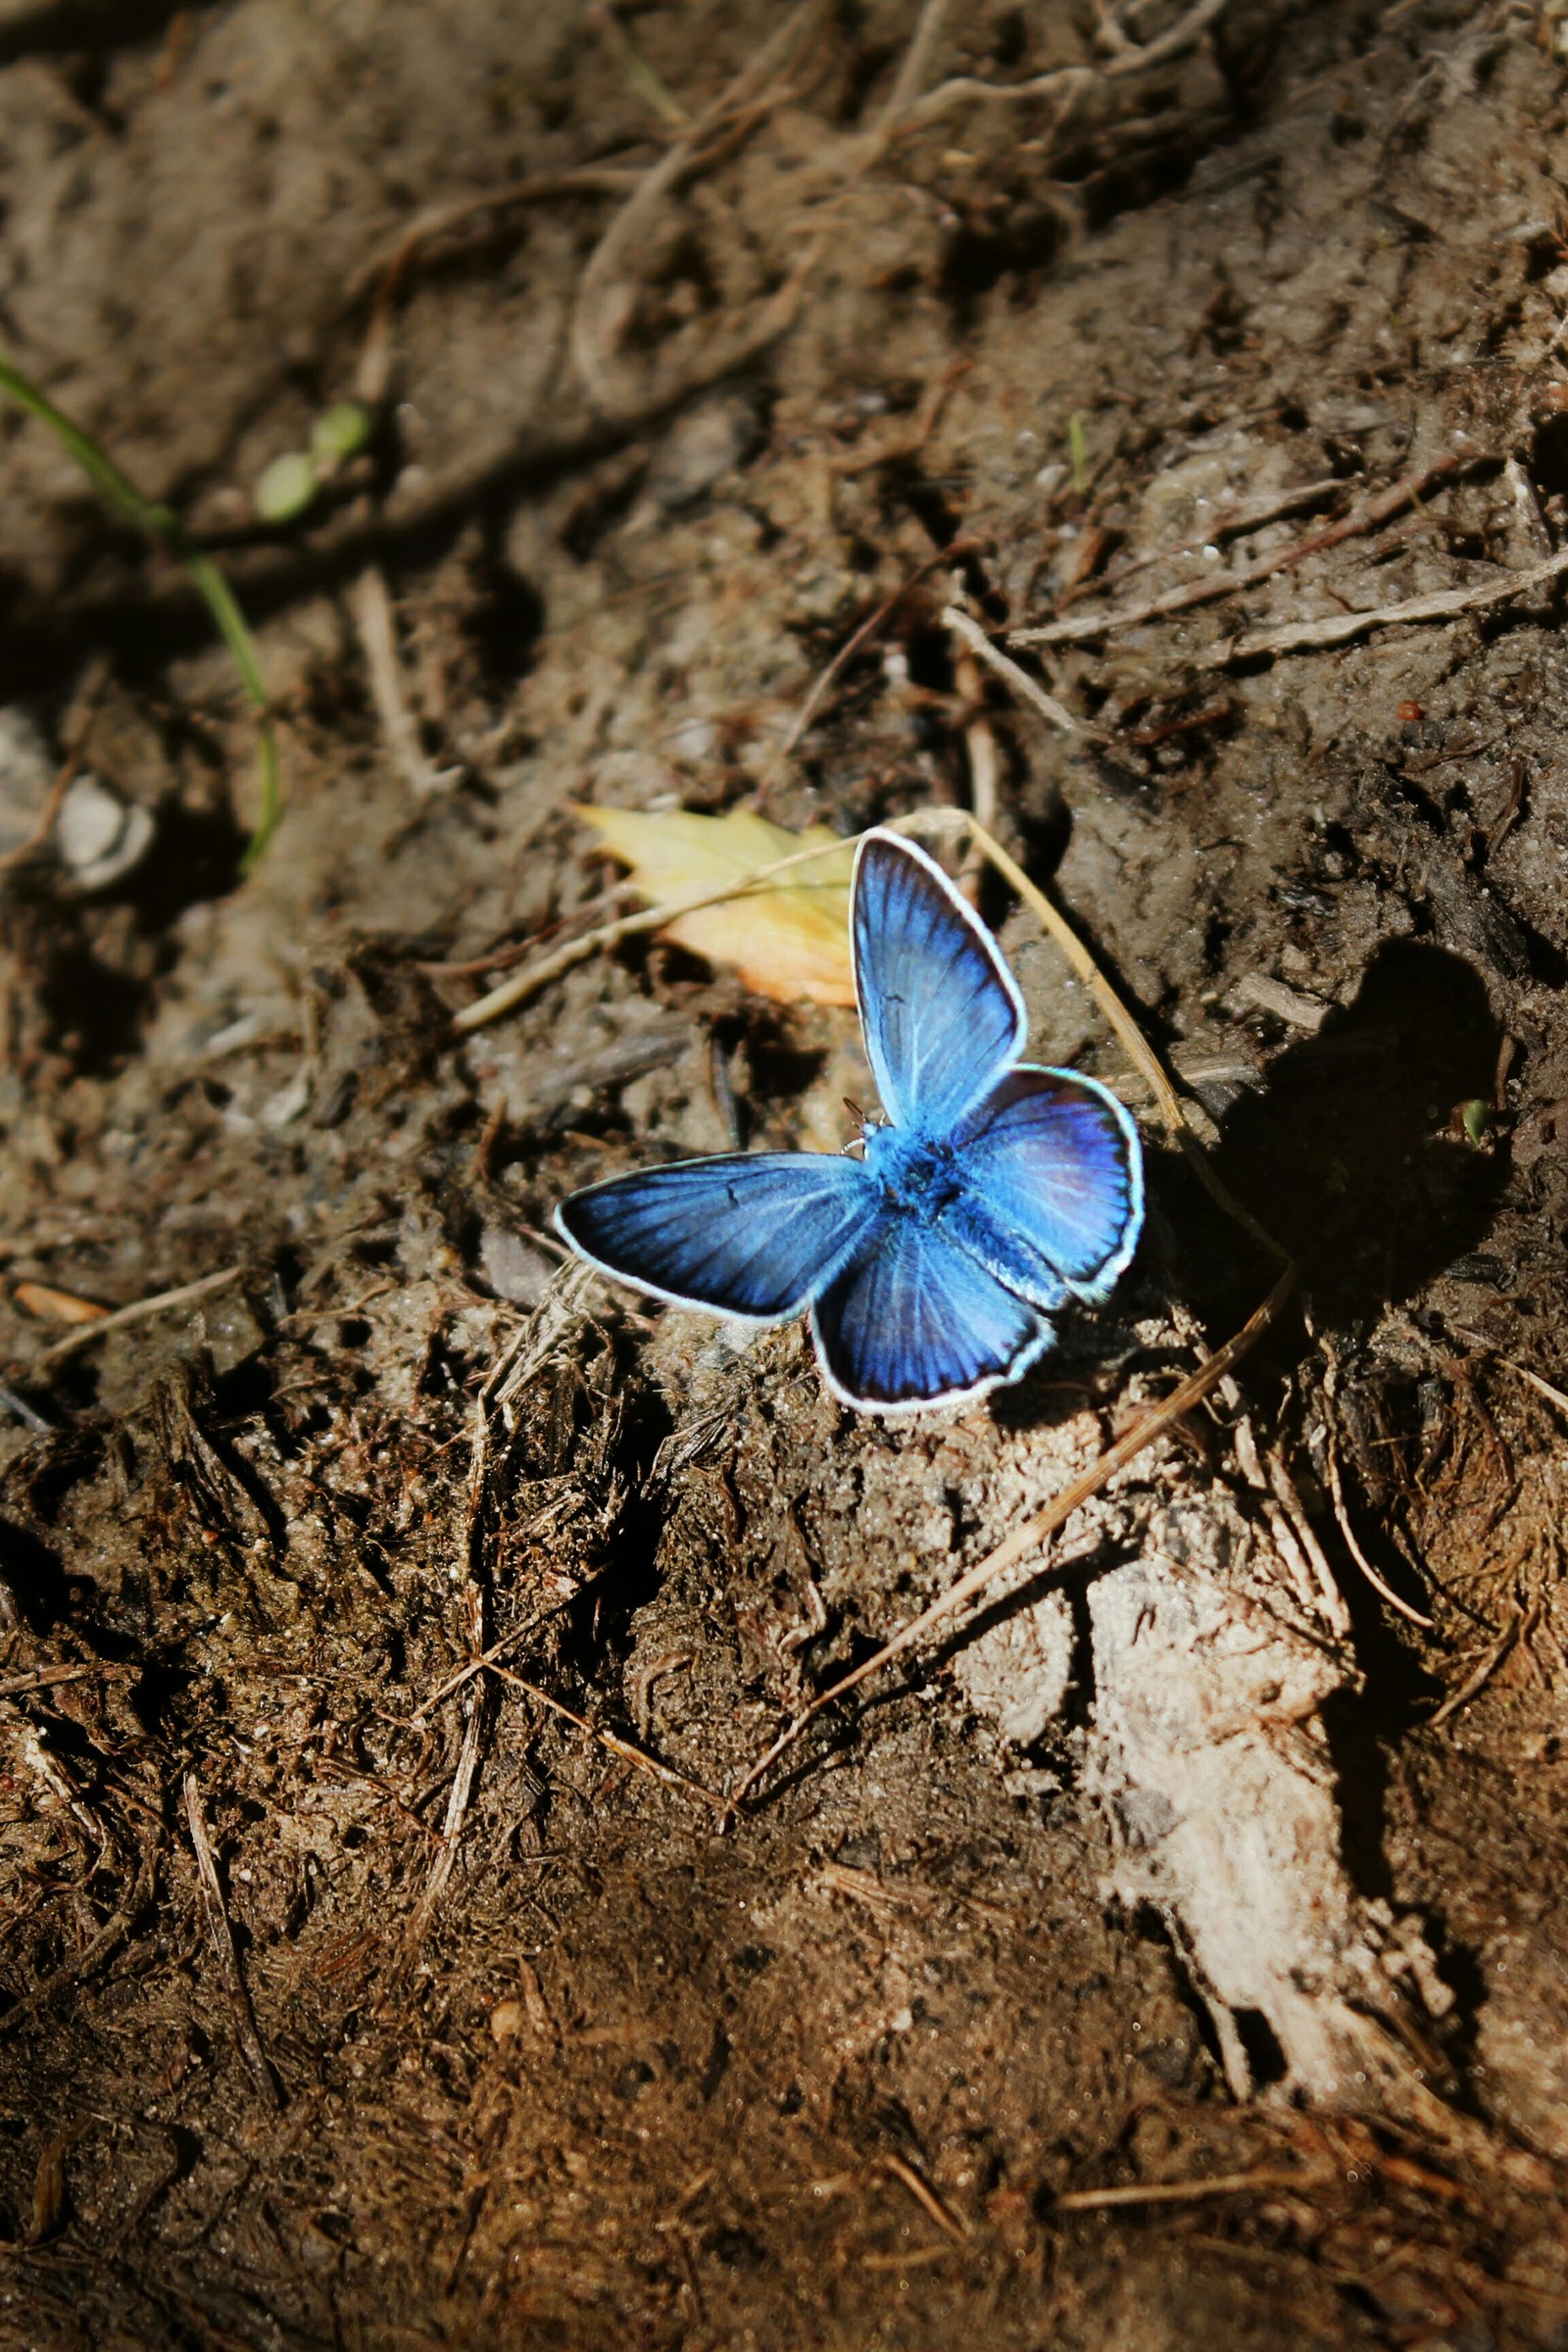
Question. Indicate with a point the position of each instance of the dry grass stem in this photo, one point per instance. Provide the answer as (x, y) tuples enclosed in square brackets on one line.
[(496, 1649), (221, 1937), (597, 317), (1379, 1583), (1331, 1599), (441, 1868), (624, 1748), (1338, 628), (1137, 1048), (1235, 522), (20, 1411), (1179, 2193), (1055, 713), (863, 635), (985, 772), (529, 983), (1068, 82), (46, 1677), (88, 1961), (936, 2208), (1408, 491), (1523, 1623), (911, 69), (1542, 1388), (391, 260), (140, 1310), (376, 623)]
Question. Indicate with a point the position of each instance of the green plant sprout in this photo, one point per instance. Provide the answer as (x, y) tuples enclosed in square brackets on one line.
[(286, 488), (1078, 449), (160, 523)]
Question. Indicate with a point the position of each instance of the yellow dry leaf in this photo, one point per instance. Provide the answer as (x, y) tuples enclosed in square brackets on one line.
[(789, 939)]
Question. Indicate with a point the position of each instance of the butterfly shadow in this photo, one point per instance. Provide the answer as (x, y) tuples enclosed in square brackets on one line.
[(1353, 1154)]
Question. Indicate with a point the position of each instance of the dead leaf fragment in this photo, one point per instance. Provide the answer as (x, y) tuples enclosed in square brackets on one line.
[(56, 1306), (788, 940)]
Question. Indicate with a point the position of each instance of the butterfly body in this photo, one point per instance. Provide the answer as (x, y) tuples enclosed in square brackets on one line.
[(992, 1195), (913, 1172)]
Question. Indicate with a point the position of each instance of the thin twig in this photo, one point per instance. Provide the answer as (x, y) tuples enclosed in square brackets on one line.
[(20, 1411), (1178, 2192), (596, 317), (85, 1963), (1037, 1530), (911, 69), (901, 445), (612, 1740), (1542, 1388), (1067, 83), (1379, 1583), (985, 770), (223, 1942), (518, 950), (476, 1701), (1070, 80), (1055, 713), (496, 1649), (46, 1677), (1331, 1597), (458, 1797), (390, 261), (936, 2208), (371, 606), (1233, 522), (140, 1310), (1180, 37), (1338, 628), (649, 85), (1377, 510), (867, 629), (63, 777), (1474, 1682)]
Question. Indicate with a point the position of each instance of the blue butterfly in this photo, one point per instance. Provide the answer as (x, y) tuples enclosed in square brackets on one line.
[(994, 1195)]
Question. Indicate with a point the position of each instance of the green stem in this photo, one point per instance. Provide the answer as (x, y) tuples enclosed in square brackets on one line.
[(159, 523)]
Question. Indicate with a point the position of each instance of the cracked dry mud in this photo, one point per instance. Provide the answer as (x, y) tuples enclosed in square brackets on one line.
[(1195, 1858)]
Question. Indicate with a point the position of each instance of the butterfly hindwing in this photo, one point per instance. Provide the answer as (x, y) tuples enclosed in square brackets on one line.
[(1051, 1191), (941, 1012), (750, 1235), (910, 1321)]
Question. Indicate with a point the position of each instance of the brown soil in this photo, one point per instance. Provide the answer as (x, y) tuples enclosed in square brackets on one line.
[(1177, 1864)]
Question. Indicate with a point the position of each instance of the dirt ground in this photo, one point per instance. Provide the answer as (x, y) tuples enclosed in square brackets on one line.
[(1173, 1955)]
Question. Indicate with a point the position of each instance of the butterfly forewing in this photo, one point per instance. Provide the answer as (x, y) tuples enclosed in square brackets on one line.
[(1051, 1172), (942, 1016), (750, 1235), (914, 1321)]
